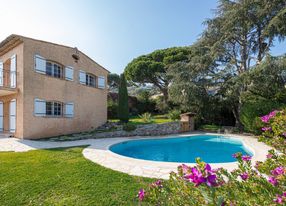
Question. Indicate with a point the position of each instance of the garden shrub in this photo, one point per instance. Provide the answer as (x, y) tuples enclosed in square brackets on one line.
[(146, 117), (201, 185), (274, 129), (112, 108), (123, 109), (174, 114), (251, 111), (129, 127)]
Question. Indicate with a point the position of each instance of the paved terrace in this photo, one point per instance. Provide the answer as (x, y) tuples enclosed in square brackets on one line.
[(98, 152)]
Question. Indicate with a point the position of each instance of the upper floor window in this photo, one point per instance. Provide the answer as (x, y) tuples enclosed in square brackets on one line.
[(53, 69), (8, 72), (90, 80)]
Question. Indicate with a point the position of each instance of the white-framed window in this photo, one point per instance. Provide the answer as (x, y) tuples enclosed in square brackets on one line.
[(40, 64), (53, 108), (1, 74), (90, 80), (82, 77), (39, 107), (69, 73), (69, 109), (52, 68), (101, 82)]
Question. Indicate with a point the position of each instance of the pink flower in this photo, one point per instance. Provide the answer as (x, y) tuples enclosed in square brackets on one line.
[(257, 164), (269, 156), (272, 180), (211, 180), (272, 114), (265, 119), (278, 199), (185, 168), (278, 171), (196, 177), (284, 134), (234, 155), (266, 129), (244, 176), (141, 194), (157, 183), (246, 158)]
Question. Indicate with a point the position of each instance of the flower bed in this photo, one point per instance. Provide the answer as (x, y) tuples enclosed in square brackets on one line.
[(274, 130), (264, 184), (201, 185)]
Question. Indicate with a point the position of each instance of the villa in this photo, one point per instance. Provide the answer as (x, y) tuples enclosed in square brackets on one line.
[(47, 89)]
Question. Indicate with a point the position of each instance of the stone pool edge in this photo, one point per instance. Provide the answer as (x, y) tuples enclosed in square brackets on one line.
[(100, 154)]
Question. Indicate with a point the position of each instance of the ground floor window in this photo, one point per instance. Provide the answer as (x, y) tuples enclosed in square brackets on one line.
[(53, 108)]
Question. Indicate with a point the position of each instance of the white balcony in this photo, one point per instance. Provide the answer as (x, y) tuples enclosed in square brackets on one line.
[(8, 81)]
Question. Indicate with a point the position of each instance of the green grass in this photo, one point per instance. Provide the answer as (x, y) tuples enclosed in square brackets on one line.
[(210, 127), (157, 119), (63, 177)]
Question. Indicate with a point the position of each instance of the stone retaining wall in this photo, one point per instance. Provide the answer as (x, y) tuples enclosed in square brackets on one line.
[(144, 130), (141, 130)]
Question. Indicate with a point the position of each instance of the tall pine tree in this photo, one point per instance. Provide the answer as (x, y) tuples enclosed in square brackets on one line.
[(123, 110)]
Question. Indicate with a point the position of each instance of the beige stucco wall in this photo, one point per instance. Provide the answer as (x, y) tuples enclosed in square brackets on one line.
[(18, 50), (90, 104)]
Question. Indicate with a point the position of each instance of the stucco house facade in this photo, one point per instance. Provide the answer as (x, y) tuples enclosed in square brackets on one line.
[(47, 89)]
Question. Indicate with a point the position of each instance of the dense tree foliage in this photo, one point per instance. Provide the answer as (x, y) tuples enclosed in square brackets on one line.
[(238, 37), (153, 68), (265, 91), (123, 110), (219, 72), (113, 81)]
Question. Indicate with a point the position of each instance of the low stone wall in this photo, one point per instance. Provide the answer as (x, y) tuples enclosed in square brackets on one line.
[(141, 130), (144, 130)]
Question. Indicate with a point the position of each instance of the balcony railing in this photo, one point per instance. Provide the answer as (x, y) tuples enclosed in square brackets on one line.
[(8, 79)]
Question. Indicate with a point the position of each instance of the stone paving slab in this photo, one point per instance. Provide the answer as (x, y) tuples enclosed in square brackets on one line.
[(98, 152)]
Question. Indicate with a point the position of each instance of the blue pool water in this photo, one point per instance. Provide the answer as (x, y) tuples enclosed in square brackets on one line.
[(210, 148)]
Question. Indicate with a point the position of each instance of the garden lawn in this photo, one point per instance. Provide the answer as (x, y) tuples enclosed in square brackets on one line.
[(63, 177), (136, 120)]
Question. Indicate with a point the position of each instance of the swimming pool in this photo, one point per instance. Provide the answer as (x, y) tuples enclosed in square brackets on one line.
[(210, 148)]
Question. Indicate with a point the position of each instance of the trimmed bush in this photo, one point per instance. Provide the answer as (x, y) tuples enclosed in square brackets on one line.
[(251, 112), (123, 110)]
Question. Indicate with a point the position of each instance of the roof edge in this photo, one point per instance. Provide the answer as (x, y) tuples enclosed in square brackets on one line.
[(22, 38)]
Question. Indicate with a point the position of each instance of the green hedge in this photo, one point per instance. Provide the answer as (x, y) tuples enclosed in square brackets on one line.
[(251, 111)]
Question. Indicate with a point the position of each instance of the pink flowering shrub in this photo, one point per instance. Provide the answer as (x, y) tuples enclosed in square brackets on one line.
[(264, 184), (274, 129)]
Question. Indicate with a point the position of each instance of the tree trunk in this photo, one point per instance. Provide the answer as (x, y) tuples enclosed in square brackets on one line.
[(236, 112), (165, 95)]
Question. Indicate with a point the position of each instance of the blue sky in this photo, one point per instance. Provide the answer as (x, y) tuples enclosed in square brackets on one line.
[(112, 32)]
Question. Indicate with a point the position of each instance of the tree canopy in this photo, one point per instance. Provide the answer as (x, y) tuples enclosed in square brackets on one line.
[(153, 68)]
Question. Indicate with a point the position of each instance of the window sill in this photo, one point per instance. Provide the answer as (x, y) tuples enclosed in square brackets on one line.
[(61, 78), (54, 116), (92, 86)]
